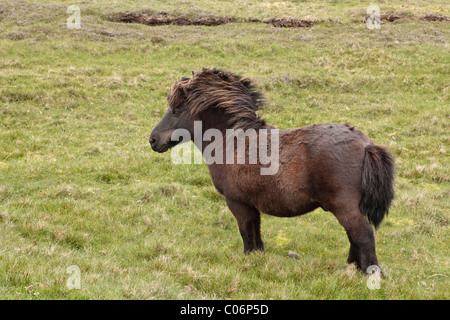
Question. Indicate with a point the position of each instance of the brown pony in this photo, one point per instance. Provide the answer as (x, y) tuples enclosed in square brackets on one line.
[(332, 166)]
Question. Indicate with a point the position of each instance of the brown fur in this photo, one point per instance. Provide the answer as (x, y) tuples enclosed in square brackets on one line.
[(333, 166)]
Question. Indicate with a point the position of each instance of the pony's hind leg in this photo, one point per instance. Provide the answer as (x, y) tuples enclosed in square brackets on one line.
[(249, 223), (360, 235)]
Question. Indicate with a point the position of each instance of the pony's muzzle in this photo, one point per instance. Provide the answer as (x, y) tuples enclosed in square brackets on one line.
[(156, 145), (161, 142)]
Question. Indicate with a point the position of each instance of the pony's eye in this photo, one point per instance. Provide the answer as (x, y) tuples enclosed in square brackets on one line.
[(176, 111)]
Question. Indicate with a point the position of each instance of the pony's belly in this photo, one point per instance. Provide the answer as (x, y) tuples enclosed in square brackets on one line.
[(288, 213), (280, 208)]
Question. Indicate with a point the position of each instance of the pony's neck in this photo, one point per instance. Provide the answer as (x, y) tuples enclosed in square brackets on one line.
[(212, 124), (209, 120)]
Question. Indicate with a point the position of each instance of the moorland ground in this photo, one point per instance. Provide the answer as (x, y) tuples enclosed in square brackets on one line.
[(80, 186)]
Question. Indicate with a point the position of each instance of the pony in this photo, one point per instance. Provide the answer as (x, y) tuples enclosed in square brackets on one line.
[(332, 166)]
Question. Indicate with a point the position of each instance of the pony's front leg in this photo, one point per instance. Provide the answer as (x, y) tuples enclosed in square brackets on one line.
[(249, 223)]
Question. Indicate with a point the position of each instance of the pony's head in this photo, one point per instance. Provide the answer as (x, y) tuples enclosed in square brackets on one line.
[(224, 99), (177, 116)]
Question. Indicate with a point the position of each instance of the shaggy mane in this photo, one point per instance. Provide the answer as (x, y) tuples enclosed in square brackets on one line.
[(238, 97)]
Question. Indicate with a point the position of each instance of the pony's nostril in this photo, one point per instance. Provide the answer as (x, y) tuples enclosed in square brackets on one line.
[(152, 142)]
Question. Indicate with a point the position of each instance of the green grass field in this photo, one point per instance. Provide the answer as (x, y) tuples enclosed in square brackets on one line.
[(79, 184)]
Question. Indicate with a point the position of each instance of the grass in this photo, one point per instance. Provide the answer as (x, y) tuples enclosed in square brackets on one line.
[(79, 184)]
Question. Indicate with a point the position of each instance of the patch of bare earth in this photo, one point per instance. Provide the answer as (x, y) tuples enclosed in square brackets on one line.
[(166, 18), (394, 17), (291, 23), (433, 17)]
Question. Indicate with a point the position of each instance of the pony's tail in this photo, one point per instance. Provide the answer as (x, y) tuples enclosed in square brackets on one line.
[(377, 184)]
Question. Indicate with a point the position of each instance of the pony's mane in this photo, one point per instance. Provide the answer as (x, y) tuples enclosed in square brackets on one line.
[(236, 96)]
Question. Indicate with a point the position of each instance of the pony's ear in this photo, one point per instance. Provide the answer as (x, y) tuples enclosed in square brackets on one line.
[(184, 84), (246, 82), (185, 89), (177, 95)]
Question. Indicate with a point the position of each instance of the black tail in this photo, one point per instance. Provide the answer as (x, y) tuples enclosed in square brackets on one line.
[(377, 184)]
